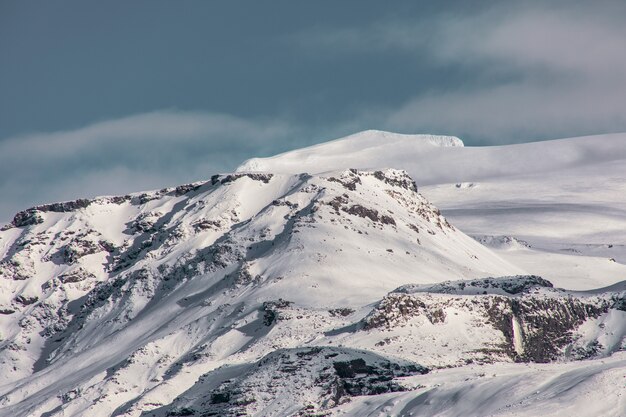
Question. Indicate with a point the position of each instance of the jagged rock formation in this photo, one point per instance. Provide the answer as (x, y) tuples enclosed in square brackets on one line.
[(309, 381), (534, 322)]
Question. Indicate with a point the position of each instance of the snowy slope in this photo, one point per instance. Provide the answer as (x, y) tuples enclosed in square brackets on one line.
[(443, 159), (593, 388), (562, 196), (341, 292), (87, 284)]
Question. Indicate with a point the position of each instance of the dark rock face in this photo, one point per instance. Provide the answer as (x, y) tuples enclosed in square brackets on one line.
[(15, 270), (26, 300), (272, 309), (146, 222), (121, 199), (341, 203), (220, 397), (186, 188), (284, 202), (27, 218), (338, 201), (619, 304), (146, 197), (65, 206), (547, 323), (587, 352), (32, 215), (349, 179), (206, 224), (243, 276), (262, 177), (185, 411), (77, 248), (352, 177), (356, 378), (341, 312), (335, 374), (517, 284), (352, 368), (392, 308), (358, 210), (402, 181), (414, 228), (76, 276)]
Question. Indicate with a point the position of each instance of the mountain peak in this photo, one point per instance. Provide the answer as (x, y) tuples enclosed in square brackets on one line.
[(374, 134), (368, 145)]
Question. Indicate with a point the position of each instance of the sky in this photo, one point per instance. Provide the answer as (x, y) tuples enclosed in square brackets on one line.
[(112, 97)]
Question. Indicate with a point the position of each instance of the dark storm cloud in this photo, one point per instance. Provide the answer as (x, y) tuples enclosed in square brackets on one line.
[(248, 79)]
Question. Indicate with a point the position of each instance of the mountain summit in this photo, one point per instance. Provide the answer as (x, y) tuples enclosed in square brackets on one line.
[(359, 147)]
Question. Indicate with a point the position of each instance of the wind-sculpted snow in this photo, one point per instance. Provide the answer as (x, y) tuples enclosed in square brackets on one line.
[(267, 294), (439, 159), (359, 147), (589, 389)]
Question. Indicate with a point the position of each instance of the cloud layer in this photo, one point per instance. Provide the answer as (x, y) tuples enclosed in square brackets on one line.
[(518, 72), (135, 153), (567, 76)]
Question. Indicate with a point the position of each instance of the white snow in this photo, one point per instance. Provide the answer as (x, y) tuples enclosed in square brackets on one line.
[(152, 302), (559, 194), (594, 388)]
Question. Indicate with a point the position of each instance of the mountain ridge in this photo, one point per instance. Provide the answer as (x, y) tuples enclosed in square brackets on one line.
[(189, 300)]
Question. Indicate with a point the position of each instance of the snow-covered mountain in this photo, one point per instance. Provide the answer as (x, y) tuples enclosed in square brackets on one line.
[(564, 198), (341, 291)]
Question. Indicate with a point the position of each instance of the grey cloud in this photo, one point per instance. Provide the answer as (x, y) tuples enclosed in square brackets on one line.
[(139, 152), (569, 76), (378, 36), (519, 110), (566, 39), (533, 71)]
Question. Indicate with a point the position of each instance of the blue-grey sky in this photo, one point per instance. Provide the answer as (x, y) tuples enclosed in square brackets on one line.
[(118, 96)]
